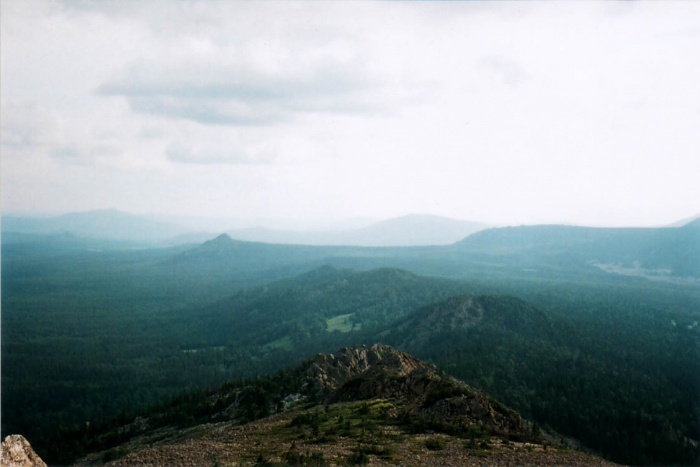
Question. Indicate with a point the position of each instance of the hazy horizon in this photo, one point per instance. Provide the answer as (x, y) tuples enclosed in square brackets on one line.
[(232, 223), (504, 113)]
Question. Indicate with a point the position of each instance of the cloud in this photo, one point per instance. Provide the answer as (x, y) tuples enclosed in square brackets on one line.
[(30, 130), (241, 93), (214, 154), (27, 125), (65, 153), (303, 105), (503, 69)]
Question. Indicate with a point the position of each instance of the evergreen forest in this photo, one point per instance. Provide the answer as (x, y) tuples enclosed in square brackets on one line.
[(94, 331)]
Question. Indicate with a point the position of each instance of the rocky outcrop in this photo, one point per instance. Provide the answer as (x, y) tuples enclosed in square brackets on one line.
[(328, 372), (17, 452), (425, 393)]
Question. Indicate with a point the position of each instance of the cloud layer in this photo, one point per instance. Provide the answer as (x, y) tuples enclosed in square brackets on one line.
[(491, 111)]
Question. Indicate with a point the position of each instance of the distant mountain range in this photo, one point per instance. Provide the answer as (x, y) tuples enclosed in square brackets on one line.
[(111, 224), (411, 230), (423, 244), (106, 224)]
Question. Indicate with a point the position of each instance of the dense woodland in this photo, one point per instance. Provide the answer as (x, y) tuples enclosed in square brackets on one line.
[(91, 332)]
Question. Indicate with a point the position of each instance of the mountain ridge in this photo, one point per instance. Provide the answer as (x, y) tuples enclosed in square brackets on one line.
[(660, 251), (107, 224), (367, 404), (112, 224)]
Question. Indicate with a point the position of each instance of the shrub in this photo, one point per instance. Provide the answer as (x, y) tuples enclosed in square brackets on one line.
[(435, 444), (359, 457)]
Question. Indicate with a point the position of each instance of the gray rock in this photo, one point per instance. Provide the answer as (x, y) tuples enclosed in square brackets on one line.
[(17, 452)]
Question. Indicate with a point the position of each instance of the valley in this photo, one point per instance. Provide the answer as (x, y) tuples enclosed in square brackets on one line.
[(110, 330)]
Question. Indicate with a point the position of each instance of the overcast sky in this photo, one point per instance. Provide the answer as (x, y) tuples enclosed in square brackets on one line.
[(578, 112)]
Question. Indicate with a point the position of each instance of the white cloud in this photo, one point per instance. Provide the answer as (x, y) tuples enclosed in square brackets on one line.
[(215, 154)]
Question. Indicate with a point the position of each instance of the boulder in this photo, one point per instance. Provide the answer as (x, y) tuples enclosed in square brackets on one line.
[(17, 452)]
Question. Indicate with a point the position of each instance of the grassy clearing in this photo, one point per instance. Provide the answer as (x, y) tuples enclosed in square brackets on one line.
[(342, 323), (284, 343), (220, 348)]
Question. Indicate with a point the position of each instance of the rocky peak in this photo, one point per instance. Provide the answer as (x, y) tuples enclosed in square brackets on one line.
[(329, 372), (17, 452)]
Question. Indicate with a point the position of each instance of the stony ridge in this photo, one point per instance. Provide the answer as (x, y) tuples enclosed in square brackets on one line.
[(371, 405)]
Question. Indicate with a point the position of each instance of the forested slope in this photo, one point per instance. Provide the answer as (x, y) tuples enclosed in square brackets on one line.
[(110, 329), (597, 385)]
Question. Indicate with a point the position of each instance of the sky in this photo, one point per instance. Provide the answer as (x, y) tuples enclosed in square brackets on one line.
[(498, 112)]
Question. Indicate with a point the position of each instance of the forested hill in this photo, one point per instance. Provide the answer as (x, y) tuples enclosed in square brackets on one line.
[(670, 251), (318, 309), (512, 317), (224, 255), (590, 377), (225, 251)]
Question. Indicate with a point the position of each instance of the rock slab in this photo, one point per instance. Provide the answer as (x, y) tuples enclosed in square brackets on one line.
[(17, 452)]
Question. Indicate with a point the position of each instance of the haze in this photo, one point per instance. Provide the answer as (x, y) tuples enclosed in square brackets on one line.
[(499, 112)]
